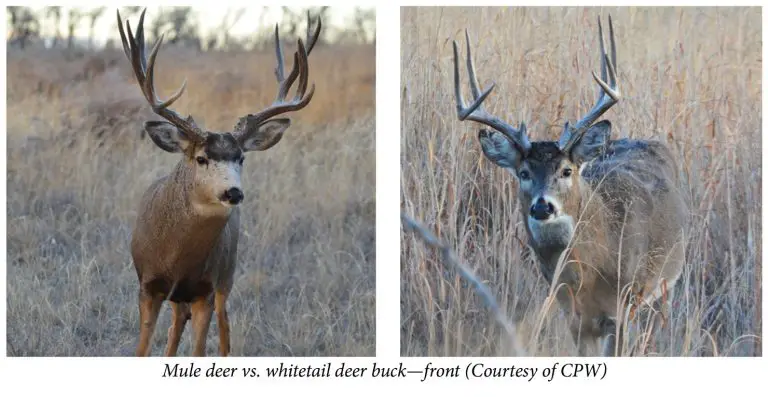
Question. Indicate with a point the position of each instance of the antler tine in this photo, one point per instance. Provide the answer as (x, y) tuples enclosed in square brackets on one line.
[(473, 84), (140, 39), (143, 69), (279, 72), (603, 71), (303, 72), (149, 82), (475, 112), (613, 41), (463, 111), (609, 92), (286, 84), (312, 38), (122, 35), (300, 70)]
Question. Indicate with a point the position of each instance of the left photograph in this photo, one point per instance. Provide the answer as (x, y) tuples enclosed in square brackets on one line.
[(190, 181)]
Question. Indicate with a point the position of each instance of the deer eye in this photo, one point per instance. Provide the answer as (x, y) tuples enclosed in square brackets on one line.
[(567, 172), (525, 175), (202, 160)]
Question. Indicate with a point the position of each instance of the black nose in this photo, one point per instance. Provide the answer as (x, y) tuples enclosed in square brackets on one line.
[(542, 209), (233, 195)]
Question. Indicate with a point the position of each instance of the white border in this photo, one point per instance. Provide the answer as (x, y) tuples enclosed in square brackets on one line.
[(387, 182), (636, 376)]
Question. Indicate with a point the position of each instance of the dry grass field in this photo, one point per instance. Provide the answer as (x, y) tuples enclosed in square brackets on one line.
[(689, 77), (77, 166)]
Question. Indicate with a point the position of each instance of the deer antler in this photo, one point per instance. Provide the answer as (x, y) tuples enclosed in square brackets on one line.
[(475, 112), (134, 49), (300, 70), (609, 93)]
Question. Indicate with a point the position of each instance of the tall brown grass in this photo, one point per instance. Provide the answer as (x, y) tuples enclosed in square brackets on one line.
[(690, 77), (77, 167)]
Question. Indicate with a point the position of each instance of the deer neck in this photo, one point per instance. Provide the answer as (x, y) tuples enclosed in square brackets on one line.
[(581, 234), (592, 225)]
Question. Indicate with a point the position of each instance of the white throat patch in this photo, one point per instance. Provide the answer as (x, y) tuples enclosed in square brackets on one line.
[(555, 231)]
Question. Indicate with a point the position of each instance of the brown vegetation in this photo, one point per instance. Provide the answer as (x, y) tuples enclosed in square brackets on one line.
[(690, 78), (77, 167)]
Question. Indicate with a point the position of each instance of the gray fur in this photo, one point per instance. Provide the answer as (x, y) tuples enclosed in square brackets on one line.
[(619, 219), (628, 210)]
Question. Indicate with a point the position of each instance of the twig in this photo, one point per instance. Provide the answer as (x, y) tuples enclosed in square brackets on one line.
[(11, 350), (410, 225)]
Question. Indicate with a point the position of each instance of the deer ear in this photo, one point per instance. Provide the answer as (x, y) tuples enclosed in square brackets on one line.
[(167, 136), (262, 136), (499, 149), (592, 143)]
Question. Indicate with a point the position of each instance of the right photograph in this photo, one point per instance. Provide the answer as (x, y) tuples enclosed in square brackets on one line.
[(581, 181)]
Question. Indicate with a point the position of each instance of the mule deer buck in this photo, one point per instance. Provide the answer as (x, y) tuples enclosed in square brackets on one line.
[(184, 244), (604, 217)]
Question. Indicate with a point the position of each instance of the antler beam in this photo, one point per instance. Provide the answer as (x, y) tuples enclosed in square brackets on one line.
[(608, 96), (474, 111), (300, 70), (134, 49)]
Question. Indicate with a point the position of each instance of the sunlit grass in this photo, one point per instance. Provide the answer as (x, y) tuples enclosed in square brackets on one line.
[(77, 168), (689, 77)]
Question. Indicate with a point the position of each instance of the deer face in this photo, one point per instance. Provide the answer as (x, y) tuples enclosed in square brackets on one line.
[(550, 181), (549, 172), (217, 161)]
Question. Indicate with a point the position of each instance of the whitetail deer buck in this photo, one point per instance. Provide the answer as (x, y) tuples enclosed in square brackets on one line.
[(608, 211), (184, 244)]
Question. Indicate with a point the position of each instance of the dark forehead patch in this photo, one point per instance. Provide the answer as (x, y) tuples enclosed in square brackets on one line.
[(222, 147), (544, 151), (544, 158)]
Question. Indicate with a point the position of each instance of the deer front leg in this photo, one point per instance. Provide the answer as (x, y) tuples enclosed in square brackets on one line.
[(612, 335), (202, 310), (149, 309), (180, 315), (220, 302)]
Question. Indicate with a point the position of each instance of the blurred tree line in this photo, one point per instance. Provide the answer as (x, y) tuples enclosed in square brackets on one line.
[(180, 26)]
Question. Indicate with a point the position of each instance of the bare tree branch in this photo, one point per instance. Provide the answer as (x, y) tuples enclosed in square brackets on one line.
[(410, 225)]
